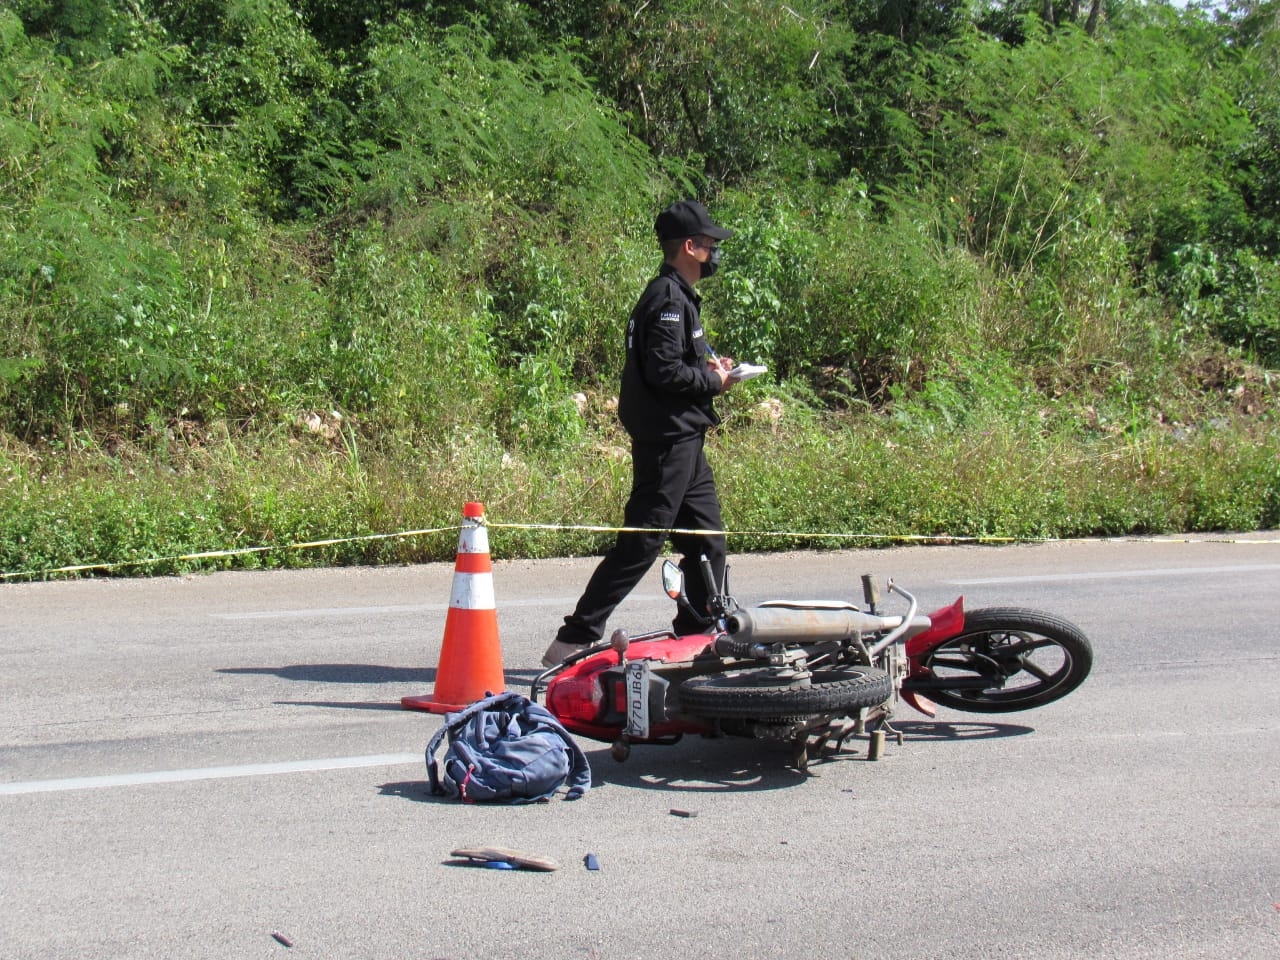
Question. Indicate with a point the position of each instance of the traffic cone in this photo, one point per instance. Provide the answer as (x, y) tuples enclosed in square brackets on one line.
[(470, 657)]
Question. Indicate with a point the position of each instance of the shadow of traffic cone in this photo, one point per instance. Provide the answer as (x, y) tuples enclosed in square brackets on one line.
[(470, 657)]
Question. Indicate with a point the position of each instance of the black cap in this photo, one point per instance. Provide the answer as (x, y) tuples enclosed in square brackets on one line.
[(688, 218)]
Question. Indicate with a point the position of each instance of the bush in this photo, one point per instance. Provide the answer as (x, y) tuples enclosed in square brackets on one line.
[(1236, 297)]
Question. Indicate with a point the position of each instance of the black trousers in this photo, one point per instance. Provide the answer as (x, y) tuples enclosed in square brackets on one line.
[(672, 487)]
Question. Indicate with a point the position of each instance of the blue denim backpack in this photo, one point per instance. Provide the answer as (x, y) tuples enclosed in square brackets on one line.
[(506, 749)]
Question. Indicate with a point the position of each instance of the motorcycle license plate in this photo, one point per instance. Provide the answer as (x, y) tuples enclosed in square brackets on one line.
[(637, 687)]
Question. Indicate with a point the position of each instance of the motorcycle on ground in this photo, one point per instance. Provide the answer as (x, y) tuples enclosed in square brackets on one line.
[(812, 673)]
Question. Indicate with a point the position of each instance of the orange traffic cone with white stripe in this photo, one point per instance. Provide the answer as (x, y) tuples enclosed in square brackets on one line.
[(470, 658)]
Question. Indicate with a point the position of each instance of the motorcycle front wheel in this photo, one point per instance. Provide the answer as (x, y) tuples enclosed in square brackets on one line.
[(1006, 659), (761, 694)]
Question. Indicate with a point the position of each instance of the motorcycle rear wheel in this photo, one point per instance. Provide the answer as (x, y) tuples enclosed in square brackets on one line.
[(759, 694), (1030, 658)]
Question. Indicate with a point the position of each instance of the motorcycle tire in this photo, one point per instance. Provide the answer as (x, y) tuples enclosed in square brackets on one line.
[(1031, 658), (758, 694)]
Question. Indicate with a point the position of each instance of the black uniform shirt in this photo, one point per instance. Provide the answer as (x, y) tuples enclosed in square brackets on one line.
[(667, 388)]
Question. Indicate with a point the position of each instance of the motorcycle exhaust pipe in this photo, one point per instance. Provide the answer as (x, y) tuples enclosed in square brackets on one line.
[(802, 624)]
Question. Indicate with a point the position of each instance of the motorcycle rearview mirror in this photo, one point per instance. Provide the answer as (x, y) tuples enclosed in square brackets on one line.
[(672, 580), (673, 584)]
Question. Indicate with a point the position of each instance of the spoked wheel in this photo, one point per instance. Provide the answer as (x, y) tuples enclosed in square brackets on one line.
[(1008, 659), (767, 694)]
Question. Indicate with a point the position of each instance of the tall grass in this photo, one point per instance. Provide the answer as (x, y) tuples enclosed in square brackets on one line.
[(787, 480)]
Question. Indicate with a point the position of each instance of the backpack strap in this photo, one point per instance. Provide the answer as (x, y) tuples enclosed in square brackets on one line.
[(432, 774), (453, 722)]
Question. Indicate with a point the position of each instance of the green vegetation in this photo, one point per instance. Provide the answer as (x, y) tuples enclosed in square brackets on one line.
[(274, 273)]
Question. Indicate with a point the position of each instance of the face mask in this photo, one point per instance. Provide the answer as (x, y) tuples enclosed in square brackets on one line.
[(712, 263)]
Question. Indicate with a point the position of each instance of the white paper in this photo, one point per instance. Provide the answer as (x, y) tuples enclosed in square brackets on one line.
[(745, 371)]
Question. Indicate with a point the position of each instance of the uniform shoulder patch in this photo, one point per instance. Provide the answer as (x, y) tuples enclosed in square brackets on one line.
[(670, 316)]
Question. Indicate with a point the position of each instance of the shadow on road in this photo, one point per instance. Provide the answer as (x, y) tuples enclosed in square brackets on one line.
[(363, 673), (340, 673), (416, 790), (366, 673), (932, 730), (695, 765)]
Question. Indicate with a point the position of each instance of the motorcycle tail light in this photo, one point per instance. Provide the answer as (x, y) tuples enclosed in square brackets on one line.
[(576, 698)]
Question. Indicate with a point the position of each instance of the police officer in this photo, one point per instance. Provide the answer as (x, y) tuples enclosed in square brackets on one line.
[(668, 384)]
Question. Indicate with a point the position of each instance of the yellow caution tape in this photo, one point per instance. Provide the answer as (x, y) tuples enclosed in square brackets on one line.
[(215, 554), (934, 539)]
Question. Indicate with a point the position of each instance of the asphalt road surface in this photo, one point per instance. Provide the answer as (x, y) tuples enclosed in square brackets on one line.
[(188, 765)]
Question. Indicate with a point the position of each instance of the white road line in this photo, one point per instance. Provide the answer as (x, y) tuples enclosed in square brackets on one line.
[(1120, 574), (209, 773)]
